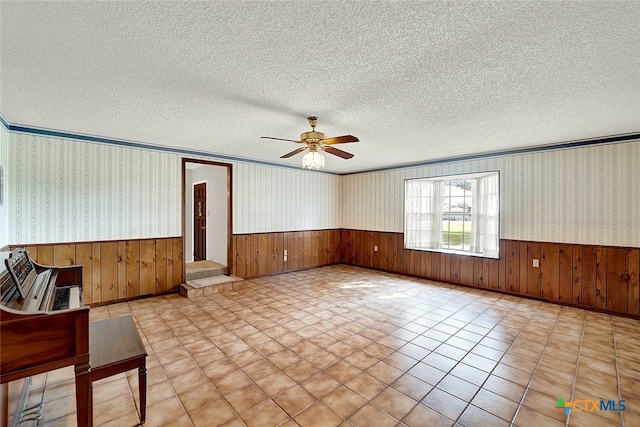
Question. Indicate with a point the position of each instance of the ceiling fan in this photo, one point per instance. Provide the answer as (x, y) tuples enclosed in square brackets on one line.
[(316, 142)]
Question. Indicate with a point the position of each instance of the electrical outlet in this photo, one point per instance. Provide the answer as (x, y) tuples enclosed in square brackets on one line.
[(285, 255), (375, 249), (536, 263)]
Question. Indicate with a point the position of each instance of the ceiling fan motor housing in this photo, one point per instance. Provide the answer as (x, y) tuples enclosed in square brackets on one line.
[(313, 136)]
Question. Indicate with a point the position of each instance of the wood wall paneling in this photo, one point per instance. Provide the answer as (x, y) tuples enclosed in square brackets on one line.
[(577, 275), (279, 242), (512, 267), (565, 273), (607, 278), (445, 275), (549, 271), (178, 264), (108, 274), (147, 267), (263, 255), (160, 267), (64, 255), (96, 270), (617, 280), (246, 256), (83, 258), (634, 282), (588, 276), (601, 277), (45, 255), (435, 265), (133, 268), (588, 289), (121, 267), (467, 269), (117, 270), (493, 268), (524, 267), (533, 273)]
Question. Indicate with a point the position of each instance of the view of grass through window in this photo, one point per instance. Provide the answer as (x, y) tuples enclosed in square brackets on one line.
[(456, 216)]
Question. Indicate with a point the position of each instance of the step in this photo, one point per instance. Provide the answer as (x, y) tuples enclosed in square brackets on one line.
[(204, 268), (209, 285)]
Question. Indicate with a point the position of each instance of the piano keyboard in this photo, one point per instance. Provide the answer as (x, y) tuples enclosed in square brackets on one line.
[(66, 297)]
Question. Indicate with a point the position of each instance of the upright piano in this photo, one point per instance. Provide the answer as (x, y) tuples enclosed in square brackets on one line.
[(44, 324)]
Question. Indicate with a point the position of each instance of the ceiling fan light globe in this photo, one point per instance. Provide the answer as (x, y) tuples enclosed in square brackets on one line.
[(313, 159)]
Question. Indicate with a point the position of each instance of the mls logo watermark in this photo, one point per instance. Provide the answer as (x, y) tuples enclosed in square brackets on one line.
[(590, 405)]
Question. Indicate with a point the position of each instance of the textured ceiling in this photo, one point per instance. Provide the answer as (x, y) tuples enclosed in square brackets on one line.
[(414, 81)]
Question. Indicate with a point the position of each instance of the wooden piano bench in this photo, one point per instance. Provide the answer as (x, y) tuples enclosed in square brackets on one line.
[(115, 347)]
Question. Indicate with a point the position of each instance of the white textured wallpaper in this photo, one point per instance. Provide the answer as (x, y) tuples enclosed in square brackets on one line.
[(63, 190), (4, 208), (267, 198), (588, 195)]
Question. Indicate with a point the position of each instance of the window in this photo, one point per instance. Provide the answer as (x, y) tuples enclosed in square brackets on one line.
[(458, 214)]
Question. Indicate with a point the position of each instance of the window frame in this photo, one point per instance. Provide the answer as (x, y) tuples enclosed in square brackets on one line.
[(443, 179)]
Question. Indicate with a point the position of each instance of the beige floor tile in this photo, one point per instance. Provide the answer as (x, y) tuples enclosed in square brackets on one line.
[(197, 396), (384, 372), (363, 357), (294, 400), (160, 412), (458, 387), (527, 417), (427, 373), (369, 415), (504, 388), (394, 403), (266, 414), (476, 417), (246, 398), (365, 385), (319, 415), (495, 404), (301, 370), (320, 384), (444, 403), (344, 401), (343, 371), (422, 416)]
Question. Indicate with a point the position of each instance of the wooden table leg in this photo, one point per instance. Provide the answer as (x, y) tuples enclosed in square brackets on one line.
[(84, 396), (142, 386), (4, 404)]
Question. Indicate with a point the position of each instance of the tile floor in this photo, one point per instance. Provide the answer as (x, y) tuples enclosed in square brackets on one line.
[(342, 346)]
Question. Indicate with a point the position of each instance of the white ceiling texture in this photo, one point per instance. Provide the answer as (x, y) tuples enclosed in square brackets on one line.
[(414, 81)]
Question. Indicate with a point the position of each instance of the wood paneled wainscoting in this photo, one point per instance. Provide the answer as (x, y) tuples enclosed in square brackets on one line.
[(260, 254), (118, 269), (604, 278)]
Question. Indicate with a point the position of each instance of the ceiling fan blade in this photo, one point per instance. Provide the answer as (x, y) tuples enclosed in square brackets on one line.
[(294, 152), (340, 139), (338, 153), (281, 139)]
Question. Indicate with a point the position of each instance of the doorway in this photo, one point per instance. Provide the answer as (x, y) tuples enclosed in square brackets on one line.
[(206, 211), (200, 221)]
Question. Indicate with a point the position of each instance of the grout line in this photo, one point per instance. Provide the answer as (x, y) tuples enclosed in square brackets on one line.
[(533, 374), (615, 355), (497, 363), (575, 376)]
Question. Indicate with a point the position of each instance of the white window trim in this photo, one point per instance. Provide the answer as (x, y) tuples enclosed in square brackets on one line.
[(429, 238)]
